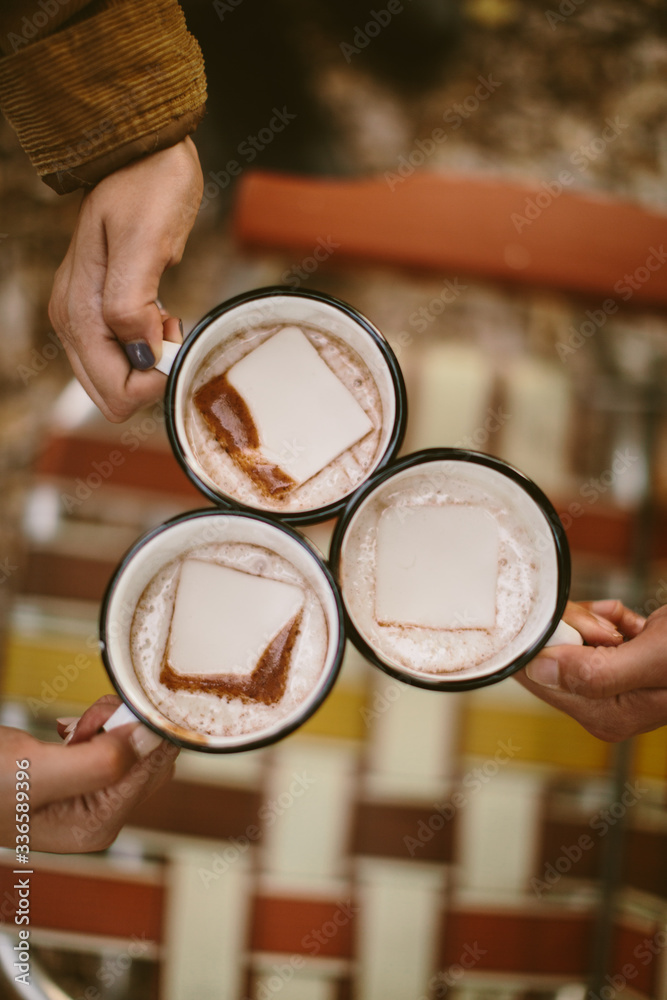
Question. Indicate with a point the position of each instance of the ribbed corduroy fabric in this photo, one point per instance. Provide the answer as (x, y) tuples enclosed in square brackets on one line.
[(124, 82)]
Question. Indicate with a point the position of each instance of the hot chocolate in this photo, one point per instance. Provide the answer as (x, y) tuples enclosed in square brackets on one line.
[(222, 630), (228, 638), (448, 569), (284, 418), (284, 402)]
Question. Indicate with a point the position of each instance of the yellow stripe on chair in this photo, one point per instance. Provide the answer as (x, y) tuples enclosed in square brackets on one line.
[(650, 757), (550, 737), (545, 737), (339, 716), (52, 670)]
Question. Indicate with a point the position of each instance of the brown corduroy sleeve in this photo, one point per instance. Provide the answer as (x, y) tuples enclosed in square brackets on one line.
[(127, 81)]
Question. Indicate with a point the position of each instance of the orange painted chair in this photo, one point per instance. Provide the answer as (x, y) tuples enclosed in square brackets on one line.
[(541, 235)]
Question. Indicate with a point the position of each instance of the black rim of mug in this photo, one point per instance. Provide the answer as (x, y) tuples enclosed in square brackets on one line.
[(532, 489), (395, 439), (250, 744)]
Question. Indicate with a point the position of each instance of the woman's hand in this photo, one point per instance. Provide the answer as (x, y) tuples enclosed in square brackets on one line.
[(132, 226), (81, 794), (616, 686)]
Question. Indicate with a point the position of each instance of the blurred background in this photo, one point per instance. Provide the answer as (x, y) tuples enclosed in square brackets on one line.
[(486, 181)]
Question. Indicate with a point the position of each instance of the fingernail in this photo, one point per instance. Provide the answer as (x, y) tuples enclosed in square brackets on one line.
[(70, 727), (608, 626), (68, 721), (180, 327), (543, 671), (144, 741), (140, 355)]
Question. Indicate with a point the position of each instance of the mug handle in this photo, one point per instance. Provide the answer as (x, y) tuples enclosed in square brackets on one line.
[(169, 352), (564, 635), (120, 717)]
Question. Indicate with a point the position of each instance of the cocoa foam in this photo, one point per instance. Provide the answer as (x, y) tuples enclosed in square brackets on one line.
[(204, 712), (338, 478), (526, 572)]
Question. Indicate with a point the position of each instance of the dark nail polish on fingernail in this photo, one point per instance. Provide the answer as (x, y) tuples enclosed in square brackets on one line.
[(180, 327), (140, 355)]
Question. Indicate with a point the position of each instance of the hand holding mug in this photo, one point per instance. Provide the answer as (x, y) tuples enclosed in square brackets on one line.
[(283, 402), (80, 795), (454, 569), (616, 685), (132, 226)]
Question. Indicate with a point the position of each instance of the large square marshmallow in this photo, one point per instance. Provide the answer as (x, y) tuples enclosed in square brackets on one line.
[(304, 415), (224, 619), (437, 567)]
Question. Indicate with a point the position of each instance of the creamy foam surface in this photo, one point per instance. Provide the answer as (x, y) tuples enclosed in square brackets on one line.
[(338, 478), (523, 582), (204, 712)]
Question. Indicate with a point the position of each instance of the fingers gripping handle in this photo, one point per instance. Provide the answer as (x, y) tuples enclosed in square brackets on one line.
[(565, 635), (169, 352), (121, 717), (142, 739)]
